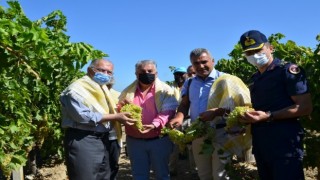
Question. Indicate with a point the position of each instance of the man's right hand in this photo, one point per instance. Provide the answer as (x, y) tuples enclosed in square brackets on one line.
[(175, 122), (125, 118)]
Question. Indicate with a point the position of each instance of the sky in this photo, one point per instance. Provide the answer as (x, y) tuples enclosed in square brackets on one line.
[(167, 30)]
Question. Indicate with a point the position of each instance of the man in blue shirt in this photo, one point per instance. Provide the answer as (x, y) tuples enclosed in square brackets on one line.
[(196, 97), (87, 110), (279, 95)]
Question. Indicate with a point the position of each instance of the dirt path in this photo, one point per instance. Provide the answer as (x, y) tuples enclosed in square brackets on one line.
[(237, 171), (58, 171)]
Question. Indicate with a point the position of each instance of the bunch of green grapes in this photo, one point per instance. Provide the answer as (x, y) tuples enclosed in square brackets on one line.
[(135, 112), (201, 129), (235, 115), (175, 136), (5, 162)]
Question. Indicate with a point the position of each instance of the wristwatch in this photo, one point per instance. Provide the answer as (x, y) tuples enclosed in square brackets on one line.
[(270, 114)]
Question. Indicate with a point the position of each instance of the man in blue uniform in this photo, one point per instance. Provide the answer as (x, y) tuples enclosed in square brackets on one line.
[(279, 95)]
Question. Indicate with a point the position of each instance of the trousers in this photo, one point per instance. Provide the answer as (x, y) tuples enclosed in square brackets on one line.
[(87, 155)]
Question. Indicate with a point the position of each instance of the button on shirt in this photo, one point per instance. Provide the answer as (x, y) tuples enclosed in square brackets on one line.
[(199, 93)]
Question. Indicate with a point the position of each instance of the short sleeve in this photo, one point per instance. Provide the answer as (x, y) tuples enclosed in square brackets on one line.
[(296, 80)]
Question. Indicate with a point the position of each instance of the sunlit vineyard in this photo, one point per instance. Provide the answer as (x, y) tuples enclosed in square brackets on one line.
[(38, 61)]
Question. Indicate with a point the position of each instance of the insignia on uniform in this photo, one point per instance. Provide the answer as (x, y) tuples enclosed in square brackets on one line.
[(294, 69), (249, 42)]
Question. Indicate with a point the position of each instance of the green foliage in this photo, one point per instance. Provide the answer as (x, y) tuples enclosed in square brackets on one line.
[(237, 66), (201, 129), (305, 57), (197, 129), (172, 68), (37, 63)]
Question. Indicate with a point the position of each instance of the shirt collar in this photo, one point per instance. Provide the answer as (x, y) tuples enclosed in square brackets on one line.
[(213, 75), (152, 88)]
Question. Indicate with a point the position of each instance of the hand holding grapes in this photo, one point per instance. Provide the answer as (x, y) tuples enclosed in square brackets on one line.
[(125, 118), (254, 116), (147, 128)]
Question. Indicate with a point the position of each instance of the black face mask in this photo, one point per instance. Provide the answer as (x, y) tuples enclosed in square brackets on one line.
[(147, 78)]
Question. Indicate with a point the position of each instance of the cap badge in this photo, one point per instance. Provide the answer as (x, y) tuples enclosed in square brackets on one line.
[(249, 42), (294, 69)]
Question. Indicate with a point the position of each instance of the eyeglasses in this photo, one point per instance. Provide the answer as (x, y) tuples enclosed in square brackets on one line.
[(103, 70)]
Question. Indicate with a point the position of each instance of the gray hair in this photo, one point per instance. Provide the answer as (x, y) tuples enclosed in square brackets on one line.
[(142, 63), (198, 51), (95, 62)]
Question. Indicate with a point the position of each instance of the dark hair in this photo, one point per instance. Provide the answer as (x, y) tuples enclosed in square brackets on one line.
[(198, 51)]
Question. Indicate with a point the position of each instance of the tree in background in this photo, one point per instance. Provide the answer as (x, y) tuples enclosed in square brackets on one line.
[(37, 62)]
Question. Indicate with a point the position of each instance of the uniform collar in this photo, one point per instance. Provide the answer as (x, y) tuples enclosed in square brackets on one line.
[(275, 63)]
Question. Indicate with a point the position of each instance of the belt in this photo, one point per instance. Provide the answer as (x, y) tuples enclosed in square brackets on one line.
[(149, 139), (85, 132), (219, 126)]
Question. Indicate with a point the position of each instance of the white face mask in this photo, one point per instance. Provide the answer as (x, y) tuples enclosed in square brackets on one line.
[(258, 60)]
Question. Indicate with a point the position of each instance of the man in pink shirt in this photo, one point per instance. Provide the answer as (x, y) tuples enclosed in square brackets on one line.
[(146, 148)]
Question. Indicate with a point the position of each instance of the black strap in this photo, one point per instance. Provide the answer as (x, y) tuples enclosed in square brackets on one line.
[(188, 88)]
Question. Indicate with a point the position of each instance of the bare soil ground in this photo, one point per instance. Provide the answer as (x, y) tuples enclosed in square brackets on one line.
[(56, 170), (238, 171)]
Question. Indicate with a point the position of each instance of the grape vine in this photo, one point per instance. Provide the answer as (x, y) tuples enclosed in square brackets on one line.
[(37, 63)]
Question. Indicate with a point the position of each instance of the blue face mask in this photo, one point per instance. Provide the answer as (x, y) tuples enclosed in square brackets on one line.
[(258, 60), (101, 78)]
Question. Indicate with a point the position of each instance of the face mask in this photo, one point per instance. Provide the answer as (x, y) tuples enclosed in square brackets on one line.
[(258, 60), (146, 78), (101, 78), (111, 81)]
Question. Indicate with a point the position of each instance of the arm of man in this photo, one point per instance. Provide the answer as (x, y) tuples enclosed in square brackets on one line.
[(123, 117), (210, 114), (302, 107), (82, 114), (78, 112), (159, 121), (182, 112)]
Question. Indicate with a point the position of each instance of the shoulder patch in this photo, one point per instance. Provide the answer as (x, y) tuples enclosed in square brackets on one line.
[(294, 69)]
